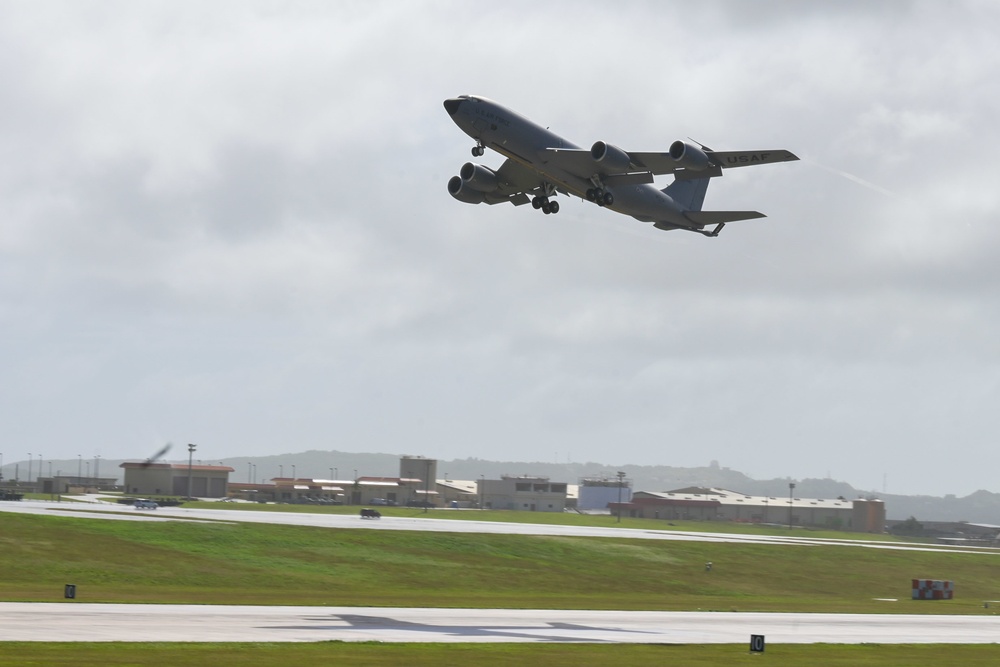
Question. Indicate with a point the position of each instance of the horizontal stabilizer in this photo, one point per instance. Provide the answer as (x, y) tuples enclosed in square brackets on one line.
[(702, 218)]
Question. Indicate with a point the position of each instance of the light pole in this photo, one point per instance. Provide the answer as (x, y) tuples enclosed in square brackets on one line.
[(281, 471), (254, 473), (791, 489), (482, 490), (79, 468), (621, 478), (29, 467), (427, 485), (191, 449), (293, 472)]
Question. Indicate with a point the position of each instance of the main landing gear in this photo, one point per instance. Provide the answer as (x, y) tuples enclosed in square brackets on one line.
[(545, 205), (478, 150), (600, 196)]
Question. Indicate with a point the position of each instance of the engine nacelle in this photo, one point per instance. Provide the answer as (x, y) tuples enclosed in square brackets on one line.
[(457, 189), (611, 158), (689, 156), (478, 177)]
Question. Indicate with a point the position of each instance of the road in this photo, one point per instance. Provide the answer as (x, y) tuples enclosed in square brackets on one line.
[(47, 622)]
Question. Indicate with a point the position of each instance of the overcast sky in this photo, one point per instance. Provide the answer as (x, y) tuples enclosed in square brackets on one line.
[(227, 223)]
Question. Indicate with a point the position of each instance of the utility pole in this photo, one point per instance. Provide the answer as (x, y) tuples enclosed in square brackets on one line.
[(191, 449), (427, 486), (791, 490), (621, 478)]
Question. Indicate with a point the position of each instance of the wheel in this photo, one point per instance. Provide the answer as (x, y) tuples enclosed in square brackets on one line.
[(591, 195), (536, 202), (546, 208), (554, 207), (608, 199)]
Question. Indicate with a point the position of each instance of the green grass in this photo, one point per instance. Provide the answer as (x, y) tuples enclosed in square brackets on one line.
[(417, 655), (232, 563), (560, 519)]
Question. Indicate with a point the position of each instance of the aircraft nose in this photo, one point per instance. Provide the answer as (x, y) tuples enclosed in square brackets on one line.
[(451, 105)]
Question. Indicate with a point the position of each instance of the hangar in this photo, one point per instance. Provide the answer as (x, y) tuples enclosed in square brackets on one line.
[(710, 504), (172, 479)]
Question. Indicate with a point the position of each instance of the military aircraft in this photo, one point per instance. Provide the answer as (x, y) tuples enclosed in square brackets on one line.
[(541, 164)]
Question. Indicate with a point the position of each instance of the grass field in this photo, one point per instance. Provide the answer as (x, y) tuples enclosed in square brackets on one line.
[(418, 655), (221, 562), (555, 518)]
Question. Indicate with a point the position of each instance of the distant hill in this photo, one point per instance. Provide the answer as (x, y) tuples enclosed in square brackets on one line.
[(978, 507)]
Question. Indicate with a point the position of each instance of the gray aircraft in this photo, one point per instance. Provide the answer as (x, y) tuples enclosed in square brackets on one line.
[(541, 164)]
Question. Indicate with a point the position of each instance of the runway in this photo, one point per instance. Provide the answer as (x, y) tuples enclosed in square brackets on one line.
[(71, 622)]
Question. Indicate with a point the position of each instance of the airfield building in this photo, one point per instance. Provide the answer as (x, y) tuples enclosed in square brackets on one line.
[(533, 494), (597, 493), (709, 504), (171, 479)]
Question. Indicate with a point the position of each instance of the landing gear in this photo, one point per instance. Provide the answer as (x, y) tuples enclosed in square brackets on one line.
[(545, 205), (600, 196), (478, 150)]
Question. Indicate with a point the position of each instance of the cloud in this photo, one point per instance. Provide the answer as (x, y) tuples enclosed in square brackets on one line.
[(230, 224)]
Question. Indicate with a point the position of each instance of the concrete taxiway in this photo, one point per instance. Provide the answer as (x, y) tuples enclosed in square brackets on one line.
[(426, 524), (72, 621), (48, 622)]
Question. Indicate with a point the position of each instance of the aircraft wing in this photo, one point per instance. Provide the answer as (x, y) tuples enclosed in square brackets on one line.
[(515, 180), (663, 163), (580, 162)]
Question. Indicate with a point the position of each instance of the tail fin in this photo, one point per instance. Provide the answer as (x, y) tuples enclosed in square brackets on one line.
[(689, 193)]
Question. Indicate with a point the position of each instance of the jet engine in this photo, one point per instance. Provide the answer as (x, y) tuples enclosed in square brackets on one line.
[(689, 156), (613, 159), (478, 177), (458, 190), (473, 183)]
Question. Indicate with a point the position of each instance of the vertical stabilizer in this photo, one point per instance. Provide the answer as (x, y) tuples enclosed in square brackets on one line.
[(688, 193)]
